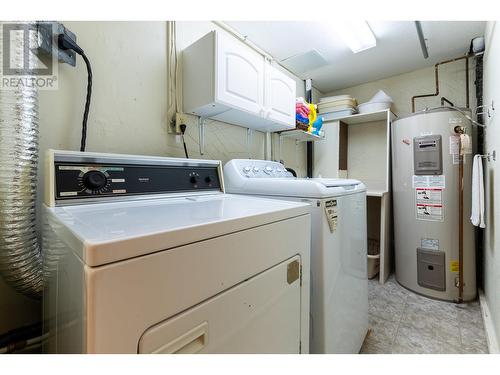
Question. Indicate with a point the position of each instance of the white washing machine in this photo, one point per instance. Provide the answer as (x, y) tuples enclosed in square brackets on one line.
[(339, 284), (149, 255)]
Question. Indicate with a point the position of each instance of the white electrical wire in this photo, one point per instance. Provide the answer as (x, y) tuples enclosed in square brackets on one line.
[(172, 106), (178, 81)]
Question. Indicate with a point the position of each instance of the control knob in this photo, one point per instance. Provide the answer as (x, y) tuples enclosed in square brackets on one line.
[(94, 180), (193, 178)]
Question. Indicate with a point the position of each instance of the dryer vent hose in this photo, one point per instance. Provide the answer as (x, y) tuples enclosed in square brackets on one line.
[(20, 253)]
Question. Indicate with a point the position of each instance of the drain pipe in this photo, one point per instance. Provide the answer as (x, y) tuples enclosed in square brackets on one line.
[(460, 130), (20, 253)]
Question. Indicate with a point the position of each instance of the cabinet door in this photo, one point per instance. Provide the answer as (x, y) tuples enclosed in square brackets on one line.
[(280, 97), (240, 75)]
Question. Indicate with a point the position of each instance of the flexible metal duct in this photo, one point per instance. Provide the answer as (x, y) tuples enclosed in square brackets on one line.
[(20, 255)]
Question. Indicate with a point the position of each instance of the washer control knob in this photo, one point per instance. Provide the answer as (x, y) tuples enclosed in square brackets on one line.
[(256, 169), (246, 170), (268, 169)]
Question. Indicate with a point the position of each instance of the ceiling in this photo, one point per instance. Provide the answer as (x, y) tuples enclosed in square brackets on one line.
[(314, 50)]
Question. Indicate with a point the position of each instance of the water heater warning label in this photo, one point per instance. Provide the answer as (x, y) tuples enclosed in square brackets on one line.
[(431, 181), (429, 203), (430, 212), (429, 195), (429, 243)]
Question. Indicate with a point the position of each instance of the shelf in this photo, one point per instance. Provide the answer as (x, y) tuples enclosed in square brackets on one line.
[(367, 117), (301, 135), (375, 193)]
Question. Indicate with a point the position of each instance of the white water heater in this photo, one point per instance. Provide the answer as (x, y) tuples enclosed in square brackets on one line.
[(425, 188)]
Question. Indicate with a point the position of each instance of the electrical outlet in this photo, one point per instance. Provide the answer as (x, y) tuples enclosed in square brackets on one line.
[(179, 119), (48, 44)]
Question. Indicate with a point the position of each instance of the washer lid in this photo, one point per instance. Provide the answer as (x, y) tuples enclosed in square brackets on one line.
[(108, 232), (295, 187), (335, 182)]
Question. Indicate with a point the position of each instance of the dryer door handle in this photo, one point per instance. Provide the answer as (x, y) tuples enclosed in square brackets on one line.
[(189, 343)]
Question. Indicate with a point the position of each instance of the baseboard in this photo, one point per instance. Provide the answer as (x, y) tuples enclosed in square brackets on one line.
[(491, 336)]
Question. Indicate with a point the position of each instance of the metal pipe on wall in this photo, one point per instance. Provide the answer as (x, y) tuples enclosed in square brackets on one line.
[(478, 82), (20, 252), (310, 145), (436, 77), (460, 298)]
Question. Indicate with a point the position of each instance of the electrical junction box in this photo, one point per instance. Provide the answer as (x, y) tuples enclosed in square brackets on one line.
[(427, 155), (48, 33)]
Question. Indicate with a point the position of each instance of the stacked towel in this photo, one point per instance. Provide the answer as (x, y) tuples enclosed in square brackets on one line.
[(302, 119), (302, 111), (477, 215), (306, 117)]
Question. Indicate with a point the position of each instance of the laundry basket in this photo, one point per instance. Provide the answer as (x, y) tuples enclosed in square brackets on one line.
[(373, 258)]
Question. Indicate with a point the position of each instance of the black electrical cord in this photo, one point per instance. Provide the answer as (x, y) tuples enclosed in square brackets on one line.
[(87, 102), (65, 42), (183, 130)]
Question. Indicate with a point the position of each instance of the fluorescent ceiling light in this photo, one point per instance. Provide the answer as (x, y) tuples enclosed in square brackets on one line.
[(356, 34)]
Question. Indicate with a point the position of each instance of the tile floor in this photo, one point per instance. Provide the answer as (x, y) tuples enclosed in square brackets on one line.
[(404, 322)]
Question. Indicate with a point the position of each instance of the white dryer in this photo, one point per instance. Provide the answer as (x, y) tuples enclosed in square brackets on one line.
[(339, 284), (149, 255)]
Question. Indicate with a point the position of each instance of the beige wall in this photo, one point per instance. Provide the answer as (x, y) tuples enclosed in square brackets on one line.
[(402, 87), (128, 112), (492, 179)]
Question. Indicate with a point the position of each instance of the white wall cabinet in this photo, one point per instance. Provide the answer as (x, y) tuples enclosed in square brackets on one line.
[(226, 80), (279, 96)]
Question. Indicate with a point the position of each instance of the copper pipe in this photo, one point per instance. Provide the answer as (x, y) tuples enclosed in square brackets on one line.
[(436, 77), (461, 229)]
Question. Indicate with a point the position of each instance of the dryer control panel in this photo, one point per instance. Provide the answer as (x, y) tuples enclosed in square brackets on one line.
[(78, 175)]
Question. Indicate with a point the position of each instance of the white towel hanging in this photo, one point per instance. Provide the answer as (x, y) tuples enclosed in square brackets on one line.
[(477, 214)]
